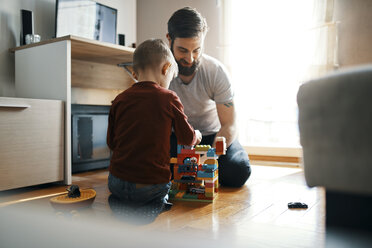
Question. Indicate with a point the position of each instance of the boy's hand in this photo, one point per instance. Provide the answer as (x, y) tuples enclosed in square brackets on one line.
[(198, 136)]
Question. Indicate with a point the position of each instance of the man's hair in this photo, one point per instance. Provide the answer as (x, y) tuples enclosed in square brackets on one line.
[(150, 54), (186, 23)]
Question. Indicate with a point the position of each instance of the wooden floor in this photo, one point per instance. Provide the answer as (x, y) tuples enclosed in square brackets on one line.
[(255, 215)]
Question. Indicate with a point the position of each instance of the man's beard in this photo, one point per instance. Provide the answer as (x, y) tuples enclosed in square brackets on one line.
[(187, 70)]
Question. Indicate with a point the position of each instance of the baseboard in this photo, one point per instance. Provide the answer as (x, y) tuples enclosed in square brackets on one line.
[(275, 156)]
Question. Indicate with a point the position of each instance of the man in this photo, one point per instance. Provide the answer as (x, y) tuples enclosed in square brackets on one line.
[(206, 93)]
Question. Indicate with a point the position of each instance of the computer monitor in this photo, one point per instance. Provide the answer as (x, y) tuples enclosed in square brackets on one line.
[(86, 18)]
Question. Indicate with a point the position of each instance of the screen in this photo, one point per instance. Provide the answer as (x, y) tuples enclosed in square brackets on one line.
[(89, 137), (86, 18)]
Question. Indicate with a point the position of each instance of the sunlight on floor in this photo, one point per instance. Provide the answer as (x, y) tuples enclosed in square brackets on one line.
[(272, 172)]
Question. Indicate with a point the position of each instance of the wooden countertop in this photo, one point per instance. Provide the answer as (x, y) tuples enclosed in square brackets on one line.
[(90, 50)]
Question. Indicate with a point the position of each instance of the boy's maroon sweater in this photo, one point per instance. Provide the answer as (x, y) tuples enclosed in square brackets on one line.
[(139, 128)]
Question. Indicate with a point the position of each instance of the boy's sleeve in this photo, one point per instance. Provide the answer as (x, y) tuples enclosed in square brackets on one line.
[(184, 131), (110, 130)]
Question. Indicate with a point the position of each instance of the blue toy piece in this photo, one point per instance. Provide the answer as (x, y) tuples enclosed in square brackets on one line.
[(190, 161), (211, 152), (210, 167), (179, 148), (205, 174), (187, 161)]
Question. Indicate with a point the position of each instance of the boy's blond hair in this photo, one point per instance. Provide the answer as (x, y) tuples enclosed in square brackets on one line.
[(150, 54)]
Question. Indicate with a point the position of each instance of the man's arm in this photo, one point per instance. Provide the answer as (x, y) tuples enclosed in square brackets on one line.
[(227, 117), (185, 133)]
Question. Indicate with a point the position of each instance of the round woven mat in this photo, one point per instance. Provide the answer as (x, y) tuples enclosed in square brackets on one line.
[(86, 198)]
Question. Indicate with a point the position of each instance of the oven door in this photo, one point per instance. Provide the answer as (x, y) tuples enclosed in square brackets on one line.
[(89, 148)]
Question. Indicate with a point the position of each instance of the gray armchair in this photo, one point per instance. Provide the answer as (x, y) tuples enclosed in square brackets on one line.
[(335, 123)]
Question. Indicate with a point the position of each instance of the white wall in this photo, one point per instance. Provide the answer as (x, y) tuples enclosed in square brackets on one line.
[(10, 33), (44, 25), (153, 16)]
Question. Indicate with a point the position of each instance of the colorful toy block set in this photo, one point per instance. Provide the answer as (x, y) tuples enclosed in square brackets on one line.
[(195, 172)]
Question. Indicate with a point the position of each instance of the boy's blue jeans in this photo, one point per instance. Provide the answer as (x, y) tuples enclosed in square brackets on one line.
[(128, 192)]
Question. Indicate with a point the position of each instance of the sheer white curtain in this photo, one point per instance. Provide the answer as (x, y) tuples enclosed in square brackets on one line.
[(271, 48)]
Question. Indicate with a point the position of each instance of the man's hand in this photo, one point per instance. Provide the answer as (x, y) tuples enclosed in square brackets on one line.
[(198, 137)]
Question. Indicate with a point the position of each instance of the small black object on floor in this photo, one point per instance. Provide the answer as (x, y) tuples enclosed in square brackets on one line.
[(73, 191), (297, 205)]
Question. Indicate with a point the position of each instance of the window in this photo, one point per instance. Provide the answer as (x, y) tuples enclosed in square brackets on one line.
[(271, 48)]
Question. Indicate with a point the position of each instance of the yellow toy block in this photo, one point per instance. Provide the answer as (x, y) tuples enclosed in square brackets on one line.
[(211, 161), (202, 148)]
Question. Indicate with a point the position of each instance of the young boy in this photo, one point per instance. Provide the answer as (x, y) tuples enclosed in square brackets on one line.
[(140, 123)]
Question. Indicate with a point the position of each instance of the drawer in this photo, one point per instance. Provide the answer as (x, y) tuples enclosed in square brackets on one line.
[(31, 142)]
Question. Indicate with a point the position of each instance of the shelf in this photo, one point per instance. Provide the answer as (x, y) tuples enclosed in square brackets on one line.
[(90, 50)]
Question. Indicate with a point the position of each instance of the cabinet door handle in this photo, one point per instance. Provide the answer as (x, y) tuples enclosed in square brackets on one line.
[(4, 105)]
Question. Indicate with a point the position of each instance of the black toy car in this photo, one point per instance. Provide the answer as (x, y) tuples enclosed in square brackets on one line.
[(297, 205), (197, 190), (188, 178)]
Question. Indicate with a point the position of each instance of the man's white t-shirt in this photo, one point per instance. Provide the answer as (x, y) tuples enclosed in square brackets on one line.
[(210, 85)]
